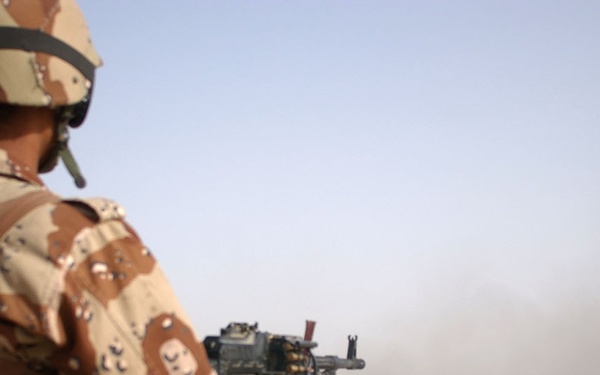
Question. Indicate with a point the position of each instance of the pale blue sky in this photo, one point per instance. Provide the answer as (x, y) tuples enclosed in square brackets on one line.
[(424, 174)]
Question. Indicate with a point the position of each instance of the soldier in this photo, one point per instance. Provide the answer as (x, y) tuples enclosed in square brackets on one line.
[(79, 291)]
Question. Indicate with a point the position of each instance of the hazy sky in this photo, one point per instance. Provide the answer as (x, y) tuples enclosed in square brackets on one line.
[(424, 174)]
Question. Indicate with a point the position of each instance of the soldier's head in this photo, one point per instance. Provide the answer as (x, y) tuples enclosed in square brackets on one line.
[(47, 60)]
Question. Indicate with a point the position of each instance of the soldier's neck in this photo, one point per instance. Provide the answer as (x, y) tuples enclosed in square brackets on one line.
[(28, 135)]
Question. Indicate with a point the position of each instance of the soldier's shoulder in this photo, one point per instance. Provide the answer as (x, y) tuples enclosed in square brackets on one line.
[(97, 209), (45, 214), (30, 200)]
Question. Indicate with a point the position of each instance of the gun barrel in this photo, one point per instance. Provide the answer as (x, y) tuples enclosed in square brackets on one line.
[(333, 363)]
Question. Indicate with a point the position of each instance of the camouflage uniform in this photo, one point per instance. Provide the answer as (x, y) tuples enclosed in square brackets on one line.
[(81, 294)]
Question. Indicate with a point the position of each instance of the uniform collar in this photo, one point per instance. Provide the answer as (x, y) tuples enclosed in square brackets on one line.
[(11, 167)]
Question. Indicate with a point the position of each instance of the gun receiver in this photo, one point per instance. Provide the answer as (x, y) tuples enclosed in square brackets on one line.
[(241, 349)]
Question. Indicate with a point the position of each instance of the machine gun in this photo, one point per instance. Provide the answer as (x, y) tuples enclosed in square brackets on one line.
[(242, 349)]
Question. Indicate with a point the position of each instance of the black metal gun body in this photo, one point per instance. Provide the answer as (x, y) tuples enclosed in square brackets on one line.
[(242, 349)]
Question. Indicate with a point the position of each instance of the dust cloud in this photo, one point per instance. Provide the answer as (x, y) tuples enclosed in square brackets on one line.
[(494, 332)]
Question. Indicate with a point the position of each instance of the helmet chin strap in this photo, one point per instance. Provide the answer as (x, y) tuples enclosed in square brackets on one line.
[(61, 149), (67, 157)]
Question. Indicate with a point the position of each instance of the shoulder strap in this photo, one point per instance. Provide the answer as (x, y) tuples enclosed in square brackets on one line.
[(13, 210)]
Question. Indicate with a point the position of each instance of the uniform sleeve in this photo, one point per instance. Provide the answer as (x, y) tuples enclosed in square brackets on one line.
[(104, 305)]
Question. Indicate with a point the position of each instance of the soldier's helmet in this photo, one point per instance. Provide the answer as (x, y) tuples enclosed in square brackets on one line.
[(46, 56)]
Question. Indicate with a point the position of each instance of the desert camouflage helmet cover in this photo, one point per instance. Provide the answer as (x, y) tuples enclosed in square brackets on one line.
[(46, 55)]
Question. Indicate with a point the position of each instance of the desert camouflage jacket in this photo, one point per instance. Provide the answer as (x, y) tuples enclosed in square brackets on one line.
[(81, 294)]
